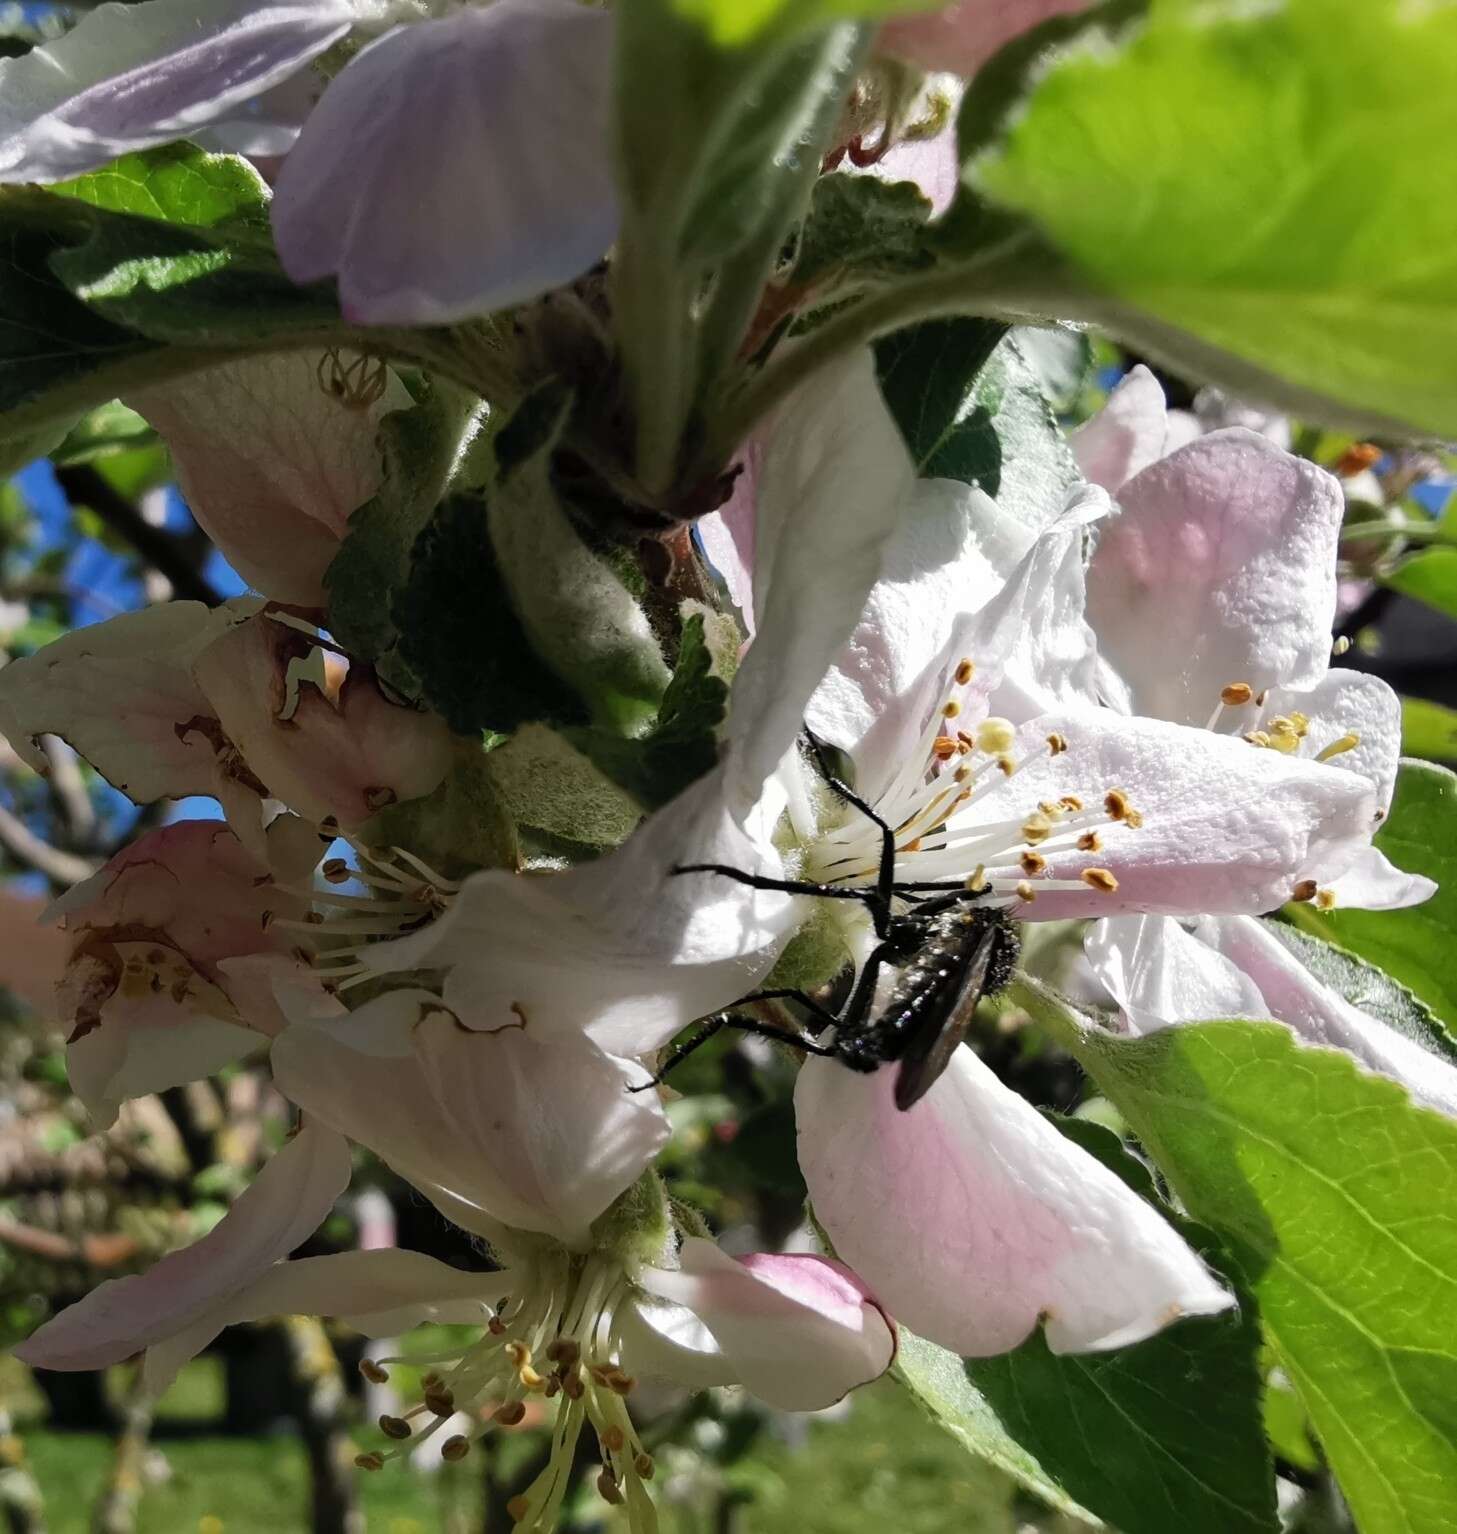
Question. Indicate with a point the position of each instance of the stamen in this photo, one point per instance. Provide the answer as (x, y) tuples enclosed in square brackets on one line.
[(995, 735), (1026, 893), (1090, 841), (1115, 801), (370, 1461), (510, 1414), (943, 748), (1033, 863), (1305, 890), (373, 1373), (1036, 828), (1339, 747), (1234, 694), (1100, 879), (1341, 645), (1325, 900), (394, 1427), (951, 709), (1057, 743), (455, 1449), (964, 672)]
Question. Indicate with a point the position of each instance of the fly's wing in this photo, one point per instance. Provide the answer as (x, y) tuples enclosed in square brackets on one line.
[(936, 1039)]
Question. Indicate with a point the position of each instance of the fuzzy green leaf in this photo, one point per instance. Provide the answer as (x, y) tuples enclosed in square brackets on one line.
[(179, 184)]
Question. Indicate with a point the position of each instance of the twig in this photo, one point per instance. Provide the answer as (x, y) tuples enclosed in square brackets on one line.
[(69, 789), (156, 546), (115, 1511), (23, 844)]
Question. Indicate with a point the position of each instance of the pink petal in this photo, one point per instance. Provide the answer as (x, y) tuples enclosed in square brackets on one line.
[(190, 1290), (122, 693), (728, 533), (130, 76), (501, 191), (1226, 551), (1128, 434), (1227, 827), (271, 464), (798, 1331), (974, 1219), (960, 38), (348, 756)]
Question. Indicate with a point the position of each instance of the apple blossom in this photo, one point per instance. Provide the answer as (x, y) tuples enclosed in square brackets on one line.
[(179, 700), (500, 192), (173, 948)]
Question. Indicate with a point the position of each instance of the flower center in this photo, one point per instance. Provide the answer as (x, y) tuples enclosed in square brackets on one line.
[(939, 837), (403, 894), (553, 1338)]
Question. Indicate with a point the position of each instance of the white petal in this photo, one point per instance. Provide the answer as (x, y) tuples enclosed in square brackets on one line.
[(1227, 827), (798, 1330), (832, 487), (666, 1341), (129, 76), (540, 1136), (1342, 704), (1226, 551), (502, 190), (121, 692), (973, 1218), (380, 1293), (1320, 1015), (1160, 974), (620, 948), (1127, 434), (947, 558), (271, 464), (189, 1290), (1373, 883)]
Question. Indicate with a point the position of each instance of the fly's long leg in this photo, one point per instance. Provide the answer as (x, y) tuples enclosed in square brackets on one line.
[(880, 908), (867, 897), (745, 1025), (821, 1013), (852, 1020)]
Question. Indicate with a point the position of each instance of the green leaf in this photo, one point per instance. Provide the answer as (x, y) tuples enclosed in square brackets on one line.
[(1429, 730), (1366, 987), (179, 184), (731, 23), (971, 407), (419, 447), (101, 433), (939, 1381), (1417, 946), (1430, 577), (460, 636), (463, 825), (1331, 1192), (1195, 184), (682, 743), (860, 229)]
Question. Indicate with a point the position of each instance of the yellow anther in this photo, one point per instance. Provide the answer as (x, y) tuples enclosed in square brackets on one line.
[(394, 1427), (1339, 747), (1057, 743), (1133, 819), (1235, 694), (608, 1490), (369, 1461), (1305, 890), (1071, 803), (1258, 738), (1325, 900), (373, 1372), (1115, 801), (1099, 879), (961, 774), (1036, 828), (455, 1449), (951, 709), (1026, 892), (510, 1413), (1301, 723), (1090, 841), (994, 735), (1053, 811), (518, 1353), (978, 879), (1033, 863), (530, 1379), (964, 672), (943, 748), (613, 1438), (1007, 765), (1341, 645)]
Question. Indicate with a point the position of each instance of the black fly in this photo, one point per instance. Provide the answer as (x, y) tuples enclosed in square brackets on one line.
[(949, 950)]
